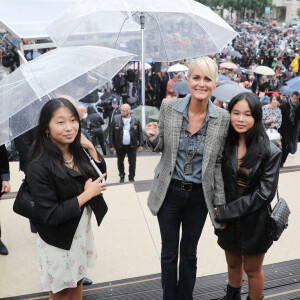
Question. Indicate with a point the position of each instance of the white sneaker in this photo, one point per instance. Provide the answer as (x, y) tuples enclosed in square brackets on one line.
[(291, 154)]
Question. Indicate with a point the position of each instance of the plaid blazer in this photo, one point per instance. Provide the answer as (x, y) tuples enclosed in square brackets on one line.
[(170, 123)]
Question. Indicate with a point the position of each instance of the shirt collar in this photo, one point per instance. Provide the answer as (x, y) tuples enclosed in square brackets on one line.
[(182, 107)]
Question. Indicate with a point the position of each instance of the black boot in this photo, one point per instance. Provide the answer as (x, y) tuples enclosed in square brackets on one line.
[(3, 249), (232, 293)]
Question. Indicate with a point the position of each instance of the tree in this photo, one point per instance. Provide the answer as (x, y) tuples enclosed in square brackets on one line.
[(257, 6)]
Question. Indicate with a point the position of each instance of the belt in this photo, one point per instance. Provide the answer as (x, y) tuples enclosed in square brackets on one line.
[(185, 186)]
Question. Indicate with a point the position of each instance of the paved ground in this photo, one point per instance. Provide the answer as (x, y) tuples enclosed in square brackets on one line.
[(128, 241)]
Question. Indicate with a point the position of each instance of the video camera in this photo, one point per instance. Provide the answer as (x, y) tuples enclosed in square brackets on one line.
[(105, 103)]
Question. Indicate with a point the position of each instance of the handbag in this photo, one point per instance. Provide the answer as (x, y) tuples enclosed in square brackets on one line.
[(274, 136), (24, 204), (278, 219)]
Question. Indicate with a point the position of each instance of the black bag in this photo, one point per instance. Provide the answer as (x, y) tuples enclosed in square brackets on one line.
[(24, 204), (278, 220)]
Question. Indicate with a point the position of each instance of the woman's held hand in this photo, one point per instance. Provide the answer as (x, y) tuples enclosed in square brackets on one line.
[(152, 129), (223, 225)]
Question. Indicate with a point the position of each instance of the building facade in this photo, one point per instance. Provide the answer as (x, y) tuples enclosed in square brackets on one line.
[(285, 10)]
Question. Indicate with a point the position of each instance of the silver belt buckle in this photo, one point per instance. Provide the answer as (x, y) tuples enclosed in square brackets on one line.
[(186, 186)]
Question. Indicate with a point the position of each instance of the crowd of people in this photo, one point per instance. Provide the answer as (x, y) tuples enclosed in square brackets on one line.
[(217, 160)]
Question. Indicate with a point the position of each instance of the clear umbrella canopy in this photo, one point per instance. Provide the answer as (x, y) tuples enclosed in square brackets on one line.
[(294, 83), (227, 91), (72, 71), (174, 29), (168, 30)]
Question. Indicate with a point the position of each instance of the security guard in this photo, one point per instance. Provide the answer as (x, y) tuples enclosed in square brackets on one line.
[(125, 135)]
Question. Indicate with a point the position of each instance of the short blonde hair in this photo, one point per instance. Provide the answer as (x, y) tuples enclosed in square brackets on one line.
[(207, 65)]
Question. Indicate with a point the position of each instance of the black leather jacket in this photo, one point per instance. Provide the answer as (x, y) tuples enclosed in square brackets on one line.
[(116, 132), (251, 208)]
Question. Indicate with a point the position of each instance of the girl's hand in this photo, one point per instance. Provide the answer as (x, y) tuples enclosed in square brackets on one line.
[(96, 187), (85, 143), (5, 187), (152, 129), (223, 225)]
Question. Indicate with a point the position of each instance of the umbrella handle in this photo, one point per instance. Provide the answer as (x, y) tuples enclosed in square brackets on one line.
[(146, 134), (93, 164)]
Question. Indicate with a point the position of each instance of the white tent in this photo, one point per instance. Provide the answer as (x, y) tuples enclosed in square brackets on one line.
[(27, 19)]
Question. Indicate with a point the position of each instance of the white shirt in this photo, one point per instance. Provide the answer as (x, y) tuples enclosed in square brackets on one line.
[(126, 130)]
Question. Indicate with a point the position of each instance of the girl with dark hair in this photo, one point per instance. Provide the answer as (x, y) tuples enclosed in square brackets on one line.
[(66, 190), (250, 169)]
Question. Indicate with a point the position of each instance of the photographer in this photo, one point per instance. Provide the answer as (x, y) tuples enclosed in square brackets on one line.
[(109, 107)]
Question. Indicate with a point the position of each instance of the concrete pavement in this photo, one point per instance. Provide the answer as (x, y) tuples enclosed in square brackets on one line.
[(128, 240)]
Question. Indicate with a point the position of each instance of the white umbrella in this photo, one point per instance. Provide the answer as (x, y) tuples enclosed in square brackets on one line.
[(75, 71), (263, 70), (169, 30), (178, 68)]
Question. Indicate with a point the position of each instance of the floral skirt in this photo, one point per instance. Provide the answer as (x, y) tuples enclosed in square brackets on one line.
[(61, 269)]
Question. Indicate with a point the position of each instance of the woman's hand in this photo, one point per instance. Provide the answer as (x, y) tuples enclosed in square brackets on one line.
[(5, 187), (85, 143), (96, 187), (223, 225), (152, 129), (92, 189)]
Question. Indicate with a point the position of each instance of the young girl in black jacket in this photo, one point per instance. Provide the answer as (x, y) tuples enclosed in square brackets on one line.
[(66, 190), (250, 169)]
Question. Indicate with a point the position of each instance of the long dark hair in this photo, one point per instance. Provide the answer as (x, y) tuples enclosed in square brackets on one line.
[(45, 147), (257, 141)]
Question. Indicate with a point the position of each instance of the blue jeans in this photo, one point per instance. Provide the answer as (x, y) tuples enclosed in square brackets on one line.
[(186, 209)]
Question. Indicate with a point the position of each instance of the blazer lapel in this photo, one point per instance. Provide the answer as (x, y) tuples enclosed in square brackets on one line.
[(176, 124), (210, 139)]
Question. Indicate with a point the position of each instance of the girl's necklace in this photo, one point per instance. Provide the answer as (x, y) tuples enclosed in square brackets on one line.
[(69, 162)]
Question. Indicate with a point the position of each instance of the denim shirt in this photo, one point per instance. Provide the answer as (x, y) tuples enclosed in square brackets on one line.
[(192, 142)]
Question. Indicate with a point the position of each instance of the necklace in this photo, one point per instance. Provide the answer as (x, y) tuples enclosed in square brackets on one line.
[(69, 162), (188, 167)]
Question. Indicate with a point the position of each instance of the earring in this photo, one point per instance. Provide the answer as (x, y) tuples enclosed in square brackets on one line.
[(47, 135)]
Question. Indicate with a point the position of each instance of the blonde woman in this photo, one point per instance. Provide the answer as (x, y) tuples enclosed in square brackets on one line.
[(188, 182)]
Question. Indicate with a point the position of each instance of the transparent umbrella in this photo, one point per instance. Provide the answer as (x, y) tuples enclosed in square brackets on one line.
[(294, 83), (227, 91), (181, 87), (75, 71), (169, 30)]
